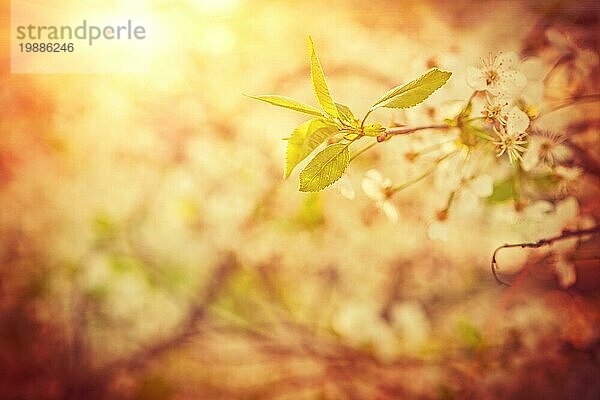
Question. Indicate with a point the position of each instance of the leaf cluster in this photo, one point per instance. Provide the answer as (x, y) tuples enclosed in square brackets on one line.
[(335, 126)]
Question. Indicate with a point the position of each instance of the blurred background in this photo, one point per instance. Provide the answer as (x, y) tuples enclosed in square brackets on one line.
[(150, 248)]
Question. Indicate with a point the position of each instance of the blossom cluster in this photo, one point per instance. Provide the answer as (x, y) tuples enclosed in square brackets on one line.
[(493, 145)]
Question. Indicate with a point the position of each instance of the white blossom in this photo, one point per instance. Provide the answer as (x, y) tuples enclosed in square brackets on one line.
[(497, 75), (499, 109), (568, 173), (545, 148), (517, 121), (513, 145), (438, 230), (379, 189), (345, 188), (530, 99)]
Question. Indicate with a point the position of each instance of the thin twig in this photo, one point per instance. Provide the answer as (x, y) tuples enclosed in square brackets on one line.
[(404, 131), (397, 131), (559, 62), (424, 175), (566, 234), (585, 159), (587, 98)]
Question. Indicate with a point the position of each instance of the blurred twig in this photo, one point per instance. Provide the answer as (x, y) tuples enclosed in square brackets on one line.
[(566, 234), (587, 98), (585, 159), (187, 328)]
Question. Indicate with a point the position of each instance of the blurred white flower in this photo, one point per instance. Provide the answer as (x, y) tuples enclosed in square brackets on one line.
[(360, 323), (448, 174), (565, 270), (357, 321), (379, 189), (438, 230), (545, 148), (410, 321), (567, 214), (531, 97), (513, 145), (482, 186), (345, 188), (428, 145), (568, 173), (566, 177), (472, 190), (500, 110), (497, 75), (466, 198)]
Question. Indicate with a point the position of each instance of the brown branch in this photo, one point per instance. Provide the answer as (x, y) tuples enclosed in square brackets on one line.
[(584, 159), (566, 234), (586, 98), (405, 131)]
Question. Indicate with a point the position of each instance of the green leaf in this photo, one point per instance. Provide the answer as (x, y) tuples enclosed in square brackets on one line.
[(466, 111), (289, 103), (503, 191), (305, 138), (545, 182), (325, 168), (373, 130), (319, 84), (414, 92), (310, 213), (469, 334), (346, 115)]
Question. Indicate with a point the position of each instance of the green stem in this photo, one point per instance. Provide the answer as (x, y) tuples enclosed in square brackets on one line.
[(362, 123), (358, 153), (424, 175), (517, 184), (432, 148), (474, 119), (450, 199), (469, 102)]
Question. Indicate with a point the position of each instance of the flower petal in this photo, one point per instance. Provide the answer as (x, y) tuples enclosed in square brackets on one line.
[(567, 210), (568, 173), (533, 93), (532, 156), (344, 186), (476, 78), (533, 68), (506, 60), (438, 231), (516, 121), (389, 210), (511, 82), (375, 176), (372, 189), (482, 186), (565, 271)]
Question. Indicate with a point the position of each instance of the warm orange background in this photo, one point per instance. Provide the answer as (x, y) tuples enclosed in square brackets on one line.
[(150, 248)]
